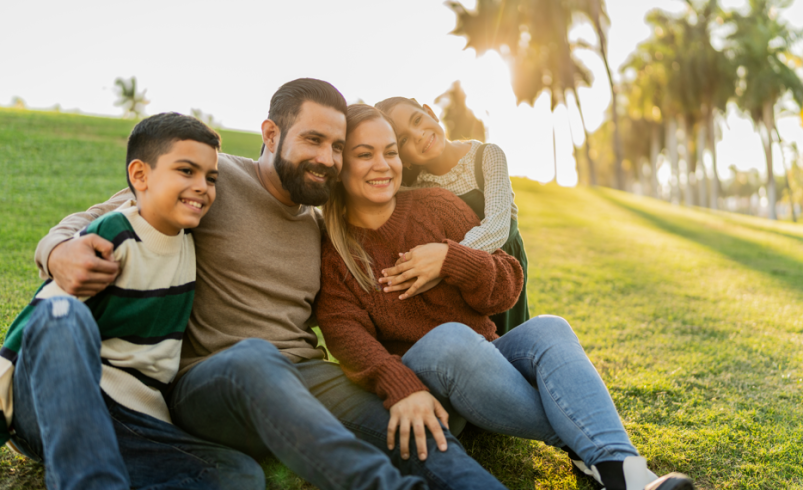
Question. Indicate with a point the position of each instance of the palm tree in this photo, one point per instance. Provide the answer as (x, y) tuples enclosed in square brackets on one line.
[(714, 85), (656, 63), (460, 121), (596, 12), (533, 37), (760, 46), (132, 101), (643, 105)]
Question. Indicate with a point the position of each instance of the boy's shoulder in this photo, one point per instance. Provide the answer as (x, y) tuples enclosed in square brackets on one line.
[(115, 226)]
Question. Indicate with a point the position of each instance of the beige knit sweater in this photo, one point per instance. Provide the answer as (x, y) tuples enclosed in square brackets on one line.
[(258, 267)]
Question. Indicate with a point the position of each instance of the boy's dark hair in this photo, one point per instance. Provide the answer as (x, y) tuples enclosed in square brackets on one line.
[(286, 102), (154, 136)]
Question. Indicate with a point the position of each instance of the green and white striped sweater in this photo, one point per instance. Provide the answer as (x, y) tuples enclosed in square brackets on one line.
[(142, 315)]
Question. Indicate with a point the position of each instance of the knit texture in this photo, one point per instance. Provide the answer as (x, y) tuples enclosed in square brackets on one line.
[(141, 316), (368, 332)]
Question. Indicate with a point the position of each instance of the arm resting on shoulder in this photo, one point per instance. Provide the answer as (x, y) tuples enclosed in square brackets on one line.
[(75, 266)]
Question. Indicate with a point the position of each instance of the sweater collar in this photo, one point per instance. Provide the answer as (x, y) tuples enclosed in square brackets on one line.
[(392, 229), (464, 164), (152, 238)]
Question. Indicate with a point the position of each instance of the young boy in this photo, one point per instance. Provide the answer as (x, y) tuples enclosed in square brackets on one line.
[(81, 380)]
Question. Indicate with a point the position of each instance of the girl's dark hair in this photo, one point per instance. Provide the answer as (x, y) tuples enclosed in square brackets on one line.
[(409, 175), (154, 136), (388, 104)]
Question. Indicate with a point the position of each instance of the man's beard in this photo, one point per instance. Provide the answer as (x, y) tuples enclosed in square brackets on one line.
[(294, 181)]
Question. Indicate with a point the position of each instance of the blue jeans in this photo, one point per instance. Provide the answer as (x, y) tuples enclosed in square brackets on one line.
[(86, 440), (321, 425), (534, 382)]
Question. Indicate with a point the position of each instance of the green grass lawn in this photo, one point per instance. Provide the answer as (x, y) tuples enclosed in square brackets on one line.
[(693, 318)]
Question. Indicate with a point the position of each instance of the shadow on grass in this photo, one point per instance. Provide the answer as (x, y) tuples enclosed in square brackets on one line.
[(756, 227), (753, 255)]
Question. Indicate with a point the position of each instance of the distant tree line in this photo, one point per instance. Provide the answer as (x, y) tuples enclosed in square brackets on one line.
[(675, 89)]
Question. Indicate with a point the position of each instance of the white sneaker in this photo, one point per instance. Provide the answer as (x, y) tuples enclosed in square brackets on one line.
[(638, 477), (578, 463)]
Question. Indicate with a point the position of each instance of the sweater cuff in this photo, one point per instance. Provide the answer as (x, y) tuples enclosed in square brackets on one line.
[(43, 250), (462, 264), (398, 382)]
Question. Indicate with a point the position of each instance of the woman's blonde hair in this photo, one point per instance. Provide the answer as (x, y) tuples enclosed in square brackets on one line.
[(346, 243)]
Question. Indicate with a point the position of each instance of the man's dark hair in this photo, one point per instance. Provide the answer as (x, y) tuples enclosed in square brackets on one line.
[(154, 136), (286, 102)]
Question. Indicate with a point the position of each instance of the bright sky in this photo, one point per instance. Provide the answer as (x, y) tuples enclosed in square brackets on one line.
[(228, 58)]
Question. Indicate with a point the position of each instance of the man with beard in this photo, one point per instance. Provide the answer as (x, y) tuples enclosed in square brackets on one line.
[(251, 376)]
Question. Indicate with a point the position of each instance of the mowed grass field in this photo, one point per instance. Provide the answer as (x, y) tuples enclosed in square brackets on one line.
[(693, 318)]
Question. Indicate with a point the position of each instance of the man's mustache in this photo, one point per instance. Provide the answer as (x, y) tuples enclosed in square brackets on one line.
[(319, 168)]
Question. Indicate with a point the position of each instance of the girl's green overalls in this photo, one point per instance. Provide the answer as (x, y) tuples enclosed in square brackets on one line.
[(514, 246)]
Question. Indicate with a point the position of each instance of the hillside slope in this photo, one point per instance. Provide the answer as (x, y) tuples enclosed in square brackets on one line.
[(693, 318)]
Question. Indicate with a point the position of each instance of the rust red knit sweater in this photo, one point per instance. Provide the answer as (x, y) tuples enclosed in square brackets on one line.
[(368, 332)]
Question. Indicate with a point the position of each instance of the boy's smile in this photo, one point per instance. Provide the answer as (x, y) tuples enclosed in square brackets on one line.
[(177, 192)]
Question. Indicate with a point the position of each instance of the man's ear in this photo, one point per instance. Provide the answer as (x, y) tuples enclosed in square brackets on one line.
[(431, 113), (270, 135), (138, 172)]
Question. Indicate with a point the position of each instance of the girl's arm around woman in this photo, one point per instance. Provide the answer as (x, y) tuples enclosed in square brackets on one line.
[(489, 283)]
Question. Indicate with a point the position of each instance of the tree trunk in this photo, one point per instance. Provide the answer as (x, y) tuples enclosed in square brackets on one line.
[(592, 172), (788, 186), (712, 147), (654, 149), (702, 181), (642, 179), (672, 149), (554, 148), (617, 141), (688, 193), (769, 126)]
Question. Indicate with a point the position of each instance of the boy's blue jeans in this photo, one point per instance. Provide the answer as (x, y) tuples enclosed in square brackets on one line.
[(534, 382), (321, 425), (86, 440)]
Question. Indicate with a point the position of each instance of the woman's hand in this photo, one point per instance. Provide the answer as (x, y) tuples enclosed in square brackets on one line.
[(419, 411), (415, 269)]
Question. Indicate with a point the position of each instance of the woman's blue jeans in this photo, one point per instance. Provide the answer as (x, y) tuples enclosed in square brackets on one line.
[(534, 382)]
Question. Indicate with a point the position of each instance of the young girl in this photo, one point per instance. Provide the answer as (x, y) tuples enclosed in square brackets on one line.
[(475, 172)]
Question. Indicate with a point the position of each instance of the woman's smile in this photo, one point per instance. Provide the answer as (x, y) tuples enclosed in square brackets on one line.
[(381, 182)]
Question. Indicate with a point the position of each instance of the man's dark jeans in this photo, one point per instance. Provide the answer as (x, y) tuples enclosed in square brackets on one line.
[(250, 397)]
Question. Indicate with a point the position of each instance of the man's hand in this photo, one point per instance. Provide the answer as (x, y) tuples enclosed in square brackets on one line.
[(83, 266), (419, 410), (416, 269)]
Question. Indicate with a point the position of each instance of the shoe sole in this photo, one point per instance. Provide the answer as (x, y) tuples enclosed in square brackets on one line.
[(674, 481)]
